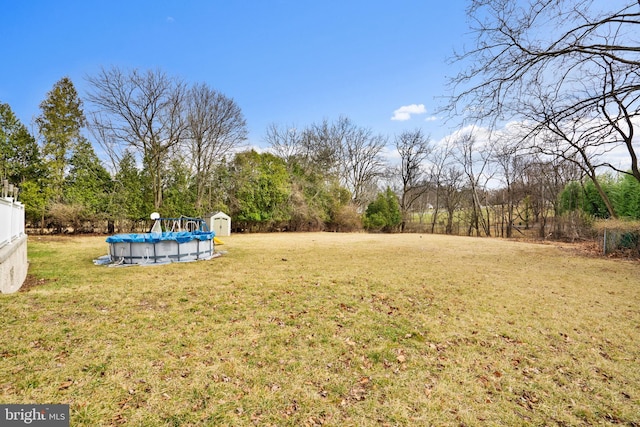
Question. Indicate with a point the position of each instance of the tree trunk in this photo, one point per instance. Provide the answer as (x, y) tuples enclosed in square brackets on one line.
[(604, 197), (449, 227)]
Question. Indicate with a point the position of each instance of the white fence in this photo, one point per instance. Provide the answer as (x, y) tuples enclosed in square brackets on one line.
[(11, 220)]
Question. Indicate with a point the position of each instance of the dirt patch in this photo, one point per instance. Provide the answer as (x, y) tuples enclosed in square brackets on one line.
[(593, 249), (587, 248), (31, 282)]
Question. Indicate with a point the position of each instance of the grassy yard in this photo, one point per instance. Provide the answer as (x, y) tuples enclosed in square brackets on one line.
[(328, 329)]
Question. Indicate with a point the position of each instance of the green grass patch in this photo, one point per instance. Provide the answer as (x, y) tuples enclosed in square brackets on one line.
[(328, 329)]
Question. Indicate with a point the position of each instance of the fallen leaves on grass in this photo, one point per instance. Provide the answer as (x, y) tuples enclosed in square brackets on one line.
[(358, 391), (65, 385)]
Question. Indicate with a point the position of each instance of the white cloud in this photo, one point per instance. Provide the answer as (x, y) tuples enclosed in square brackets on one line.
[(391, 155), (431, 119), (404, 113)]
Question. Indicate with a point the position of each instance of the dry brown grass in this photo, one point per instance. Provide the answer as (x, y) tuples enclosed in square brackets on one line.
[(616, 224), (328, 329)]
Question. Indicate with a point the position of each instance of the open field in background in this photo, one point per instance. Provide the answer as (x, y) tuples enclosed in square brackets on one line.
[(328, 329)]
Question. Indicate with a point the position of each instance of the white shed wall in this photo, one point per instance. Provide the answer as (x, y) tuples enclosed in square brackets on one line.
[(221, 224)]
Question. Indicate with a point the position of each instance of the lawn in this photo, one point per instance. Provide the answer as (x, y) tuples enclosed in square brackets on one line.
[(328, 329)]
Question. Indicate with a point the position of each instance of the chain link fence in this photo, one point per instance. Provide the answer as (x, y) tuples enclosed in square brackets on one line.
[(620, 240)]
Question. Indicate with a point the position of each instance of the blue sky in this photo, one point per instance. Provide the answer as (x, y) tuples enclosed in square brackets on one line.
[(283, 61)]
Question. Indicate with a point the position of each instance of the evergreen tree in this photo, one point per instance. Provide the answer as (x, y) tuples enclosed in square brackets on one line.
[(88, 183), (179, 194), (21, 163), (627, 197), (60, 123), (34, 196), (128, 201), (384, 212), (571, 198), (623, 192), (19, 154), (594, 204)]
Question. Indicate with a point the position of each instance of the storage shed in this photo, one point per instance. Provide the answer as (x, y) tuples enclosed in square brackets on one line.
[(220, 223)]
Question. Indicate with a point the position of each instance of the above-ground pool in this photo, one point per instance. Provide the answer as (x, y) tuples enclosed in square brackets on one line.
[(161, 247)]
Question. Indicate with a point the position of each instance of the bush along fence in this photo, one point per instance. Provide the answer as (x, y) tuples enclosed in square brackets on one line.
[(620, 240), (13, 241)]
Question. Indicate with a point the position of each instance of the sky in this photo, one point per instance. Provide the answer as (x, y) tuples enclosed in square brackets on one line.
[(383, 64)]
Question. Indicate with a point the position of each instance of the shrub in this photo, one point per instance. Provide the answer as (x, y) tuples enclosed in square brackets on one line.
[(383, 214)]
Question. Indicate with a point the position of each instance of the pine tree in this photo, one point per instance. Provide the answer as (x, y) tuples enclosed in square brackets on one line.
[(88, 182), (19, 154), (129, 191), (60, 123)]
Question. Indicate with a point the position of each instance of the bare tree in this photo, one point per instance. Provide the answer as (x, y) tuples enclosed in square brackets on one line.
[(338, 150), (114, 149), (142, 110), (451, 193), (323, 145), (441, 158), (347, 152), (544, 179), (475, 160), (566, 68), (414, 148), (361, 161), (585, 135), (556, 174), (286, 141), (423, 201), (512, 165), (215, 126)]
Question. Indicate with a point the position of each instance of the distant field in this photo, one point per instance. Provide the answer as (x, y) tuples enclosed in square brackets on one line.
[(328, 329)]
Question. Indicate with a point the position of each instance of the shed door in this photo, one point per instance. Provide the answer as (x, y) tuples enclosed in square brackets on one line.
[(221, 226)]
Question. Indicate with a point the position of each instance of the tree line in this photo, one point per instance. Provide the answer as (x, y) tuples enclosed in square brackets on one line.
[(565, 74), (329, 175), (550, 94)]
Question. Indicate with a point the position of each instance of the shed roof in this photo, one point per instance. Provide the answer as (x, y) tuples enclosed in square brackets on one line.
[(220, 215)]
